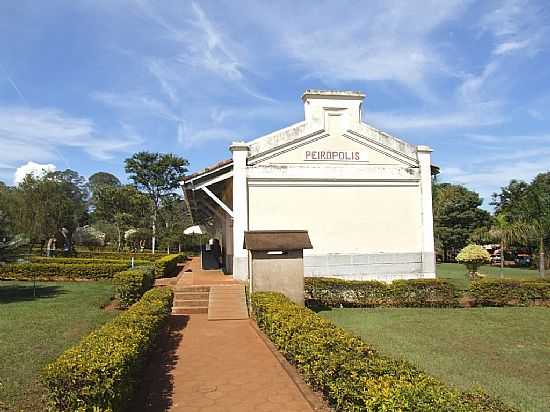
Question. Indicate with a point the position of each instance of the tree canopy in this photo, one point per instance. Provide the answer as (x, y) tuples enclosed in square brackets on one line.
[(457, 214), (528, 204), (45, 207), (100, 179), (158, 175)]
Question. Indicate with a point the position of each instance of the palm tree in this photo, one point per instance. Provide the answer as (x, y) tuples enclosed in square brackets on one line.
[(536, 212), (506, 233)]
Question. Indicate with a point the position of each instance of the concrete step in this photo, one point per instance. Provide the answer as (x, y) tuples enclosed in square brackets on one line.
[(189, 310), (193, 302), (227, 302), (191, 295), (193, 289)]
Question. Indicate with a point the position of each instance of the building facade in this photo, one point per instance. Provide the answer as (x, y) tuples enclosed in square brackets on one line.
[(363, 195)]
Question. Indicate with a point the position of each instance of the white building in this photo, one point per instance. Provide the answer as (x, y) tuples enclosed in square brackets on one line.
[(363, 195)]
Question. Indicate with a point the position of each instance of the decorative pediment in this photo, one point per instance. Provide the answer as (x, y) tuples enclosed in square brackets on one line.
[(359, 146), (332, 132)]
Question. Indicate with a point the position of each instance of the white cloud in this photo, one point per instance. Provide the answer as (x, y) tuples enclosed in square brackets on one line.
[(509, 140), (517, 25), (472, 88), (32, 168), (39, 134), (137, 103), (493, 175), (214, 51), (500, 159), (189, 137), (454, 117), (166, 78), (508, 47), (381, 41)]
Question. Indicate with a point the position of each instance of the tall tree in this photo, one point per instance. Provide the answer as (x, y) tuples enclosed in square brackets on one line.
[(158, 175), (100, 179), (50, 205), (7, 226), (506, 233), (122, 206), (536, 212), (510, 199), (528, 205), (457, 214), (5, 218), (173, 219)]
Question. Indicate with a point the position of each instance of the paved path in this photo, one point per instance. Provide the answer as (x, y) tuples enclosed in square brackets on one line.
[(219, 366), (192, 274), (211, 366)]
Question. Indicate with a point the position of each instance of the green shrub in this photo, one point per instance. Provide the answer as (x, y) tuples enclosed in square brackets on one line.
[(352, 293), (351, 375), (508, 292), (120, 255), (85, 261), (102, 371), (473, 256), (60, 271), (130, 285), (167, 266)]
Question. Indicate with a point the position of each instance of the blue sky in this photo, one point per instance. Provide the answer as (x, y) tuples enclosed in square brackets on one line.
[(84, 84)]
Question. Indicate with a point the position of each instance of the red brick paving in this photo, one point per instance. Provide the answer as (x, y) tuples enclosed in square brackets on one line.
[(193, 275), (213, 366), (220, 366)]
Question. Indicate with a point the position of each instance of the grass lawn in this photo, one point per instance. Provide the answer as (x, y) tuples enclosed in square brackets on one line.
[(504, 350), (33, 331), (456, 273)]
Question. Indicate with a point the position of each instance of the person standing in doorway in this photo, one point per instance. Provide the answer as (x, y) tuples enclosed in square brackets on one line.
[(217, 252)]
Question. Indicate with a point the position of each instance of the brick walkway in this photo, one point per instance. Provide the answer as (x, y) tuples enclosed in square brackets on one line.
[(212, 366)]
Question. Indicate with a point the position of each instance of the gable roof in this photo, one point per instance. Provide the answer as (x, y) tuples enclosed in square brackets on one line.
[(209, 169), (291, 137)]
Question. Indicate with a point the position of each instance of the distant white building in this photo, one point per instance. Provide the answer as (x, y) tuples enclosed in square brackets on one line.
[(363, 195)]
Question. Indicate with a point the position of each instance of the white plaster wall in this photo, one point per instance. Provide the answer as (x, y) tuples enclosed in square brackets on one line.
[(342, 219)]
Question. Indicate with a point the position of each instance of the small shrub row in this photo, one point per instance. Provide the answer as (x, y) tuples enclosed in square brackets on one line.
[(508, 292), (103, 370), (120, 255), (411, 293), (351, 375), (57, 271), (167, 266), (130, 285), (84, 261)]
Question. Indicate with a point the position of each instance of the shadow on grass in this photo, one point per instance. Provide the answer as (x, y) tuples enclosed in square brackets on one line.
[(157, 383), (317, 307), (11, 293)]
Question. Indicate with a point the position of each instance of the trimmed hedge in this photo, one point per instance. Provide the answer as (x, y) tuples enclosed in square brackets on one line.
[(86, 261), (56, 271), (351, 375), (508, 292), (167, 266), (130, 285), (351, 293), (120, 255), (103, 370)]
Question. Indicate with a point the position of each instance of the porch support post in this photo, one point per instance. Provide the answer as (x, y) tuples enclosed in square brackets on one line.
[(240, 209), (424, 154)]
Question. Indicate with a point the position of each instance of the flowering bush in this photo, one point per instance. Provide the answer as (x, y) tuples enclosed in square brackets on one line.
[(473, 256)]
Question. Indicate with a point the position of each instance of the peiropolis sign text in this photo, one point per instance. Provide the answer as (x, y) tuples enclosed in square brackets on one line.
[(335, 156)]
